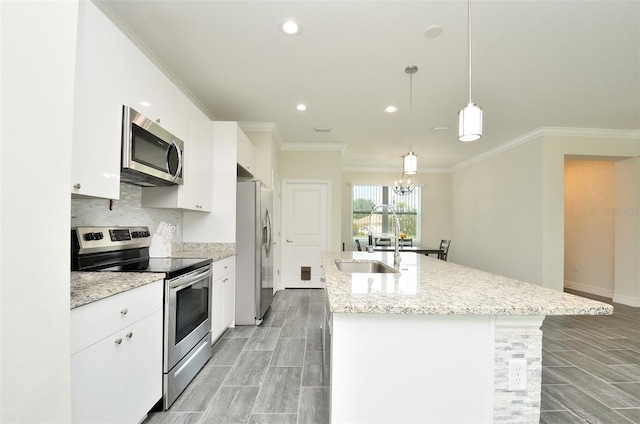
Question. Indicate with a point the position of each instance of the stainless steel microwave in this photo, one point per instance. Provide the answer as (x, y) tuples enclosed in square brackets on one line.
[(151, 155)]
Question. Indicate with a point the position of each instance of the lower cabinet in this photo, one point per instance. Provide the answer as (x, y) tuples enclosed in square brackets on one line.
[(223, 296), (118, 379)]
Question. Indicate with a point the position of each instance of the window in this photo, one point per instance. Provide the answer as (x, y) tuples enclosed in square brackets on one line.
[(407, 208)]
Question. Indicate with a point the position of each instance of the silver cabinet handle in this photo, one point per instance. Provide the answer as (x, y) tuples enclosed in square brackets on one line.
[(124, 311), (77, 186), (129, 334), (289, 241), (118, 340)]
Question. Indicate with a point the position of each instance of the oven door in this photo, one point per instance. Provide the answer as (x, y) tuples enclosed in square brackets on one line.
[(187, 319)]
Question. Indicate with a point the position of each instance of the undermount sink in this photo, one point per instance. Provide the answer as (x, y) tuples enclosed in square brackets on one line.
[(364, 267)]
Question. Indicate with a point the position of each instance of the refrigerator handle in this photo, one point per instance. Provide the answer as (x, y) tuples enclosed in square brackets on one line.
[(266, 237)]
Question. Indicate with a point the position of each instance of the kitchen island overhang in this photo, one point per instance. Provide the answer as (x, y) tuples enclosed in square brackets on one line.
[(433, 343)]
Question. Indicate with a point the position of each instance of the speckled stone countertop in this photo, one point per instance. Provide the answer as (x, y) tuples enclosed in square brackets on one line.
[(215, 251), (87, 287), (428, 286)]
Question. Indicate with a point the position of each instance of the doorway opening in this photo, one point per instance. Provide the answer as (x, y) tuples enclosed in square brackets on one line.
[(590, 225)]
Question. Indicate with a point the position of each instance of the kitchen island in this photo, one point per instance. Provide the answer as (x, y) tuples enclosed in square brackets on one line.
[(434, 342)]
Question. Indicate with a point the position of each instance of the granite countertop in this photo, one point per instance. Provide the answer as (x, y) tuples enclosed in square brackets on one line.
[(428, 286), (87, 287)]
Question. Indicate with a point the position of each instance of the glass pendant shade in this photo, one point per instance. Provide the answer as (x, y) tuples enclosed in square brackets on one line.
[(470, 123), (410, 163)]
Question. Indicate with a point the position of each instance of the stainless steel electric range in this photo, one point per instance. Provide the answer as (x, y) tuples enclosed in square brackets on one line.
[(187, 321)]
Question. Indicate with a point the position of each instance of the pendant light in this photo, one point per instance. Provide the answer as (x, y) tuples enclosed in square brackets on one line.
[(469, 118), (410, 160)]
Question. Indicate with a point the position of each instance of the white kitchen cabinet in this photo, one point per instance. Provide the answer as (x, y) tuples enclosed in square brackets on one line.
[(111, 72), (219, 226), (246, 153), (116, 375), (195, 193), (223, 296)]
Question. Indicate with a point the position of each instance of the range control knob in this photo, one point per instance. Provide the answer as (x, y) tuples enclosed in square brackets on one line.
[(88, 236)]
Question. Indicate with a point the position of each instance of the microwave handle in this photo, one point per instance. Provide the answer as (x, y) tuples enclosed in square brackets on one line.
[(179, 169)]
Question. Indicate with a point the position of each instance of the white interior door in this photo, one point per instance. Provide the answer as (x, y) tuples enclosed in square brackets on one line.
[(305, 225)]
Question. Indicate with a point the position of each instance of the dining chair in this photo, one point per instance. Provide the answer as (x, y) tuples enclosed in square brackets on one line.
[(358, 245), (406, 242), (444, 249), (382, 241)]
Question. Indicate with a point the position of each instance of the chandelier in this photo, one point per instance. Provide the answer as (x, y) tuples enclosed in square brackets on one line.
[(403, 186)]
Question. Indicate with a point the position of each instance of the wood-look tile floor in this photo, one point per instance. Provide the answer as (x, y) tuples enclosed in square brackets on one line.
[(591, 367), (272, 373)]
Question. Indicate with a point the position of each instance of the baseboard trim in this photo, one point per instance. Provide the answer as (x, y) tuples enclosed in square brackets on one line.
[(627, 300), (599, 291)]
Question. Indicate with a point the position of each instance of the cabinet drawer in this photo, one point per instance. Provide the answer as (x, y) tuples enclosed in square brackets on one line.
[(224, 266), (95, 321)]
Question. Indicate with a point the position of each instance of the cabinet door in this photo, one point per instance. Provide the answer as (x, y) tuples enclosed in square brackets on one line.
[(97, 115), (198, 176), (246, 152), (141, 367), (96, 382), (195, 194), (229, 285), (217, 308)]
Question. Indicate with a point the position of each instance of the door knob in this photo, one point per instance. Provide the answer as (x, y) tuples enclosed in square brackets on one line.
[(289, 241)]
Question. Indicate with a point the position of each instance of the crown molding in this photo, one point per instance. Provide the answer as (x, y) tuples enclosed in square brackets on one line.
[(549, 132), (394, 170), (270, 127), (314, 146), (590, 132)]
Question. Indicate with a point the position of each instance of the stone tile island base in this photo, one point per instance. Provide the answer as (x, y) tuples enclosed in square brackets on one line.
[(433, 369)]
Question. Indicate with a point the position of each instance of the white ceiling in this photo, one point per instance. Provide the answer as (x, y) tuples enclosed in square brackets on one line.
[(536, 64)]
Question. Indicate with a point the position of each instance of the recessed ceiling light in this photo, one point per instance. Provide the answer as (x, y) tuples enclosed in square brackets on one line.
[(391, 109), (301, 107), (290, 27), (433, 31), (145, 103)]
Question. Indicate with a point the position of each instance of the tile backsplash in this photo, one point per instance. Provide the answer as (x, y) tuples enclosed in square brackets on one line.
[(127, 211)]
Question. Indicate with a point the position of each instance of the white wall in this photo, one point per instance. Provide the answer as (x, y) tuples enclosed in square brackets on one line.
[(38, 65), (589, 226), (435, 223), (627, 229), (496, 213), (508, 209)]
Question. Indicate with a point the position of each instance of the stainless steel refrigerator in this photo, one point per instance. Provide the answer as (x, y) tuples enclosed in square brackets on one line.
[(254, 258)]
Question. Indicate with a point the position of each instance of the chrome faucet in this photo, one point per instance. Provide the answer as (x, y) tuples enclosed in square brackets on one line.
[(396, 230)]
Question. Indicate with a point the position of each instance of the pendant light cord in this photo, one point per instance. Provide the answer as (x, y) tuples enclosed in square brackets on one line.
[(410, 111), (469, 34)]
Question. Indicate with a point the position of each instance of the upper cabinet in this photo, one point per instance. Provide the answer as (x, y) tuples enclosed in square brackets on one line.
[(246, 153), (195, 193), (111, 72), (95, 165), (219, 226)]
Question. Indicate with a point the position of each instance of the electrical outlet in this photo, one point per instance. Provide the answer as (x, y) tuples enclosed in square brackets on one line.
[(576, 268), (517, 374)]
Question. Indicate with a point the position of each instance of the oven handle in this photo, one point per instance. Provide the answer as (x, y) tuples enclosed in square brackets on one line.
[(182, 282)]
